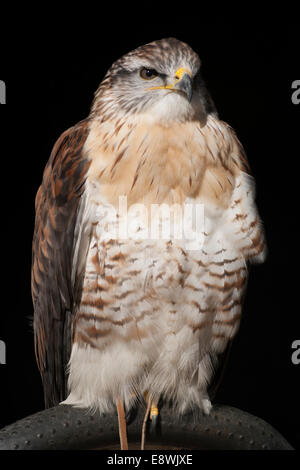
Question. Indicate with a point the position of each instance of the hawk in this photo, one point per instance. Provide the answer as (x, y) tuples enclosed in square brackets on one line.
[(123, 319)]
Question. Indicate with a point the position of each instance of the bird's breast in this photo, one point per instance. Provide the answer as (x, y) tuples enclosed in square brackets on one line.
[(154, 200), (152, 164)]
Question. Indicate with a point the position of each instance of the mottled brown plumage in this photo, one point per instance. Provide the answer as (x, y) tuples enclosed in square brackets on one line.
[(53, 295)]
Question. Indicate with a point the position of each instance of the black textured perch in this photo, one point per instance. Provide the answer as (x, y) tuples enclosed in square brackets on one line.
[(65, 427)]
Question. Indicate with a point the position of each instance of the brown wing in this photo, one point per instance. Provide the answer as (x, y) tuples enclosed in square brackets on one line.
[(57, 204)]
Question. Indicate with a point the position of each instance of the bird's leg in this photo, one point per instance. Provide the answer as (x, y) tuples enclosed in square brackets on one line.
[(122, 425), (145, 421), (152, 411)]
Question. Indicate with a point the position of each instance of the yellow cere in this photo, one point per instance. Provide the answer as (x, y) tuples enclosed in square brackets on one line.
[(180, 72), (178, 76)]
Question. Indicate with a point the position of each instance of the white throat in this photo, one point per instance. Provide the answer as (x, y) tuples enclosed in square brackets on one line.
[(173, 107)]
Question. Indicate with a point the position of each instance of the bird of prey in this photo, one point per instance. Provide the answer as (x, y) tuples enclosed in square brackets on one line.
[(121, 319)]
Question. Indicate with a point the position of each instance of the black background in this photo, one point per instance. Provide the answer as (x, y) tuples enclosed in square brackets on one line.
[(249, 69)]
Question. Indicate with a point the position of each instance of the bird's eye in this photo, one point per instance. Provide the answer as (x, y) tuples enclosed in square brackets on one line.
[(148, 74)]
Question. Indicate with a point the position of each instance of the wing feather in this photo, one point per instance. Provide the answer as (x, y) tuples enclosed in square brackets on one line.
[(57, 205), (246, 234)]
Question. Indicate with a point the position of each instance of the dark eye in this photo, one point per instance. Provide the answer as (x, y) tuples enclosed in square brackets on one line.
[(148, 74)]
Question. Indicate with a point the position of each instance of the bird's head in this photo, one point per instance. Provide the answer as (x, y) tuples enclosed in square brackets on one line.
[(160, 80)]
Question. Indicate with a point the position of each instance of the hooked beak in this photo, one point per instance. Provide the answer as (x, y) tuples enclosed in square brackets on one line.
[(183, 83)]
